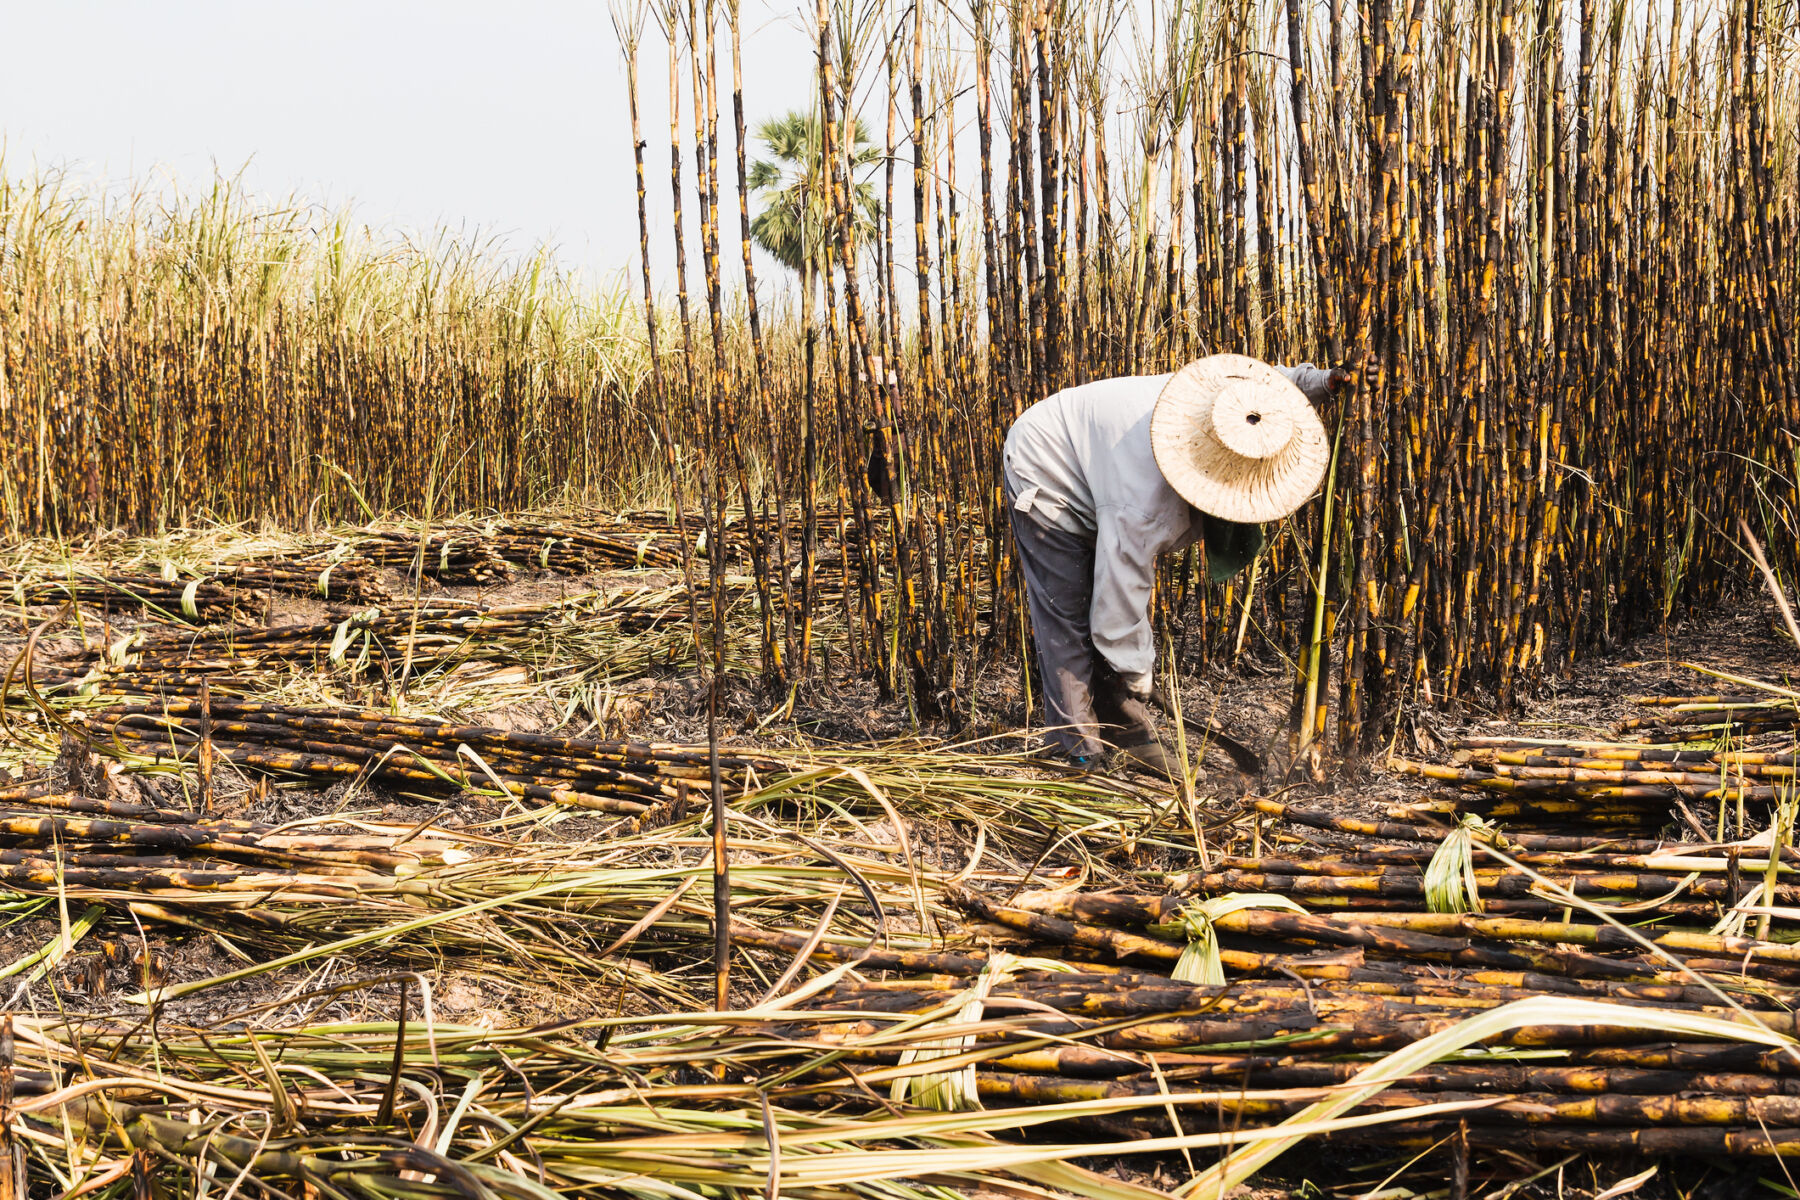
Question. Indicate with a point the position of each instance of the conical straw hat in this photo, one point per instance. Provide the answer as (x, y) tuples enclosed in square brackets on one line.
[(1236, 439)]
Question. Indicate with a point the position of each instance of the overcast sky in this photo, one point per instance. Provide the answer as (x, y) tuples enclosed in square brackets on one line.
[(509, 117)]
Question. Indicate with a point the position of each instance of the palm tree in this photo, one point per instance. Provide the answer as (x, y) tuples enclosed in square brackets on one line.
[(795, 221)]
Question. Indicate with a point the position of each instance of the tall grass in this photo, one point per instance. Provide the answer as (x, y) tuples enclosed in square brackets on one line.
[(167, 357)]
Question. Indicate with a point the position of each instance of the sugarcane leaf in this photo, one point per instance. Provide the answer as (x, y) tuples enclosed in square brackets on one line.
[(52, 952), (391, 1091), (1630, 1183), (954, 1091), (1650, 905), (340, 642), (1200, 961), (448, 1136), (1450, 875), (280, 1103), (464, 750)]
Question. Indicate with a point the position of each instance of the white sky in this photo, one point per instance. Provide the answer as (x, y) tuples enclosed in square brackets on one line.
[(507, 117)]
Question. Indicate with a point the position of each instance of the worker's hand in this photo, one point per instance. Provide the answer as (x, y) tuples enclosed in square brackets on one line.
[(1139, 687), (1343, 379)]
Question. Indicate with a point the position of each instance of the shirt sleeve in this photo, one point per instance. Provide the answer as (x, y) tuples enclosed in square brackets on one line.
[(1125, 550), (1311, 380)]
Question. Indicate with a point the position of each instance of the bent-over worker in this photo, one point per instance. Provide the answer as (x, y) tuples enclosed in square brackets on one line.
[(1102, 478)]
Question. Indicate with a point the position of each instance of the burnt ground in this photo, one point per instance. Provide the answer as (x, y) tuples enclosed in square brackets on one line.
[(1251, 702)]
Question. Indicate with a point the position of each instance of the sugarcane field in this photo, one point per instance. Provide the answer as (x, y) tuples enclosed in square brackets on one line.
[(1010, 599)]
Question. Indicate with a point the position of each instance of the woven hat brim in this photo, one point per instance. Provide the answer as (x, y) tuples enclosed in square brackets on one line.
[(1210, 476)]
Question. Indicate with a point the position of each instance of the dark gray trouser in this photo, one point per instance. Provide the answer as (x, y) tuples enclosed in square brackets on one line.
[(1083, 698)]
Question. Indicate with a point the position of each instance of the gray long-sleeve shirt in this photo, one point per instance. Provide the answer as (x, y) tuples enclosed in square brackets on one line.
[(1081, 460)]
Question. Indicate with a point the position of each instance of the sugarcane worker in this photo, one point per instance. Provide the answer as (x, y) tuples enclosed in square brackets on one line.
[(1103, 478)]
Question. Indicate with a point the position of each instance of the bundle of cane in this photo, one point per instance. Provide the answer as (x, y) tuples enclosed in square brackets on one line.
[(626, 905), (1617, 785), (167, 595), (434, 633), (659, 520), (454, 556), (208, 593), (1728, 751), (1715, 718), (416, 755), (576, 549), (1527, 903), (1256, 1052), (53, 835), (334, 577), (1548, 954)]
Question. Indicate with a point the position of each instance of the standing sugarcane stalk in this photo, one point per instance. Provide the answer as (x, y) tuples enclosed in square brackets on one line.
[(1306, 711), (630, 24), (706, 124), (1048, 19), (897, 501), (925, 606), (789, 650), (712, 415), (1004, 386)]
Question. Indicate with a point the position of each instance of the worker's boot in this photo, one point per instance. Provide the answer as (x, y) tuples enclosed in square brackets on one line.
[(1128, 722), (1151, 758)]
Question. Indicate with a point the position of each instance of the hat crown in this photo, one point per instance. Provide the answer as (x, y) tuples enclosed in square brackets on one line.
[(1251, 420), (1236, 439)]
